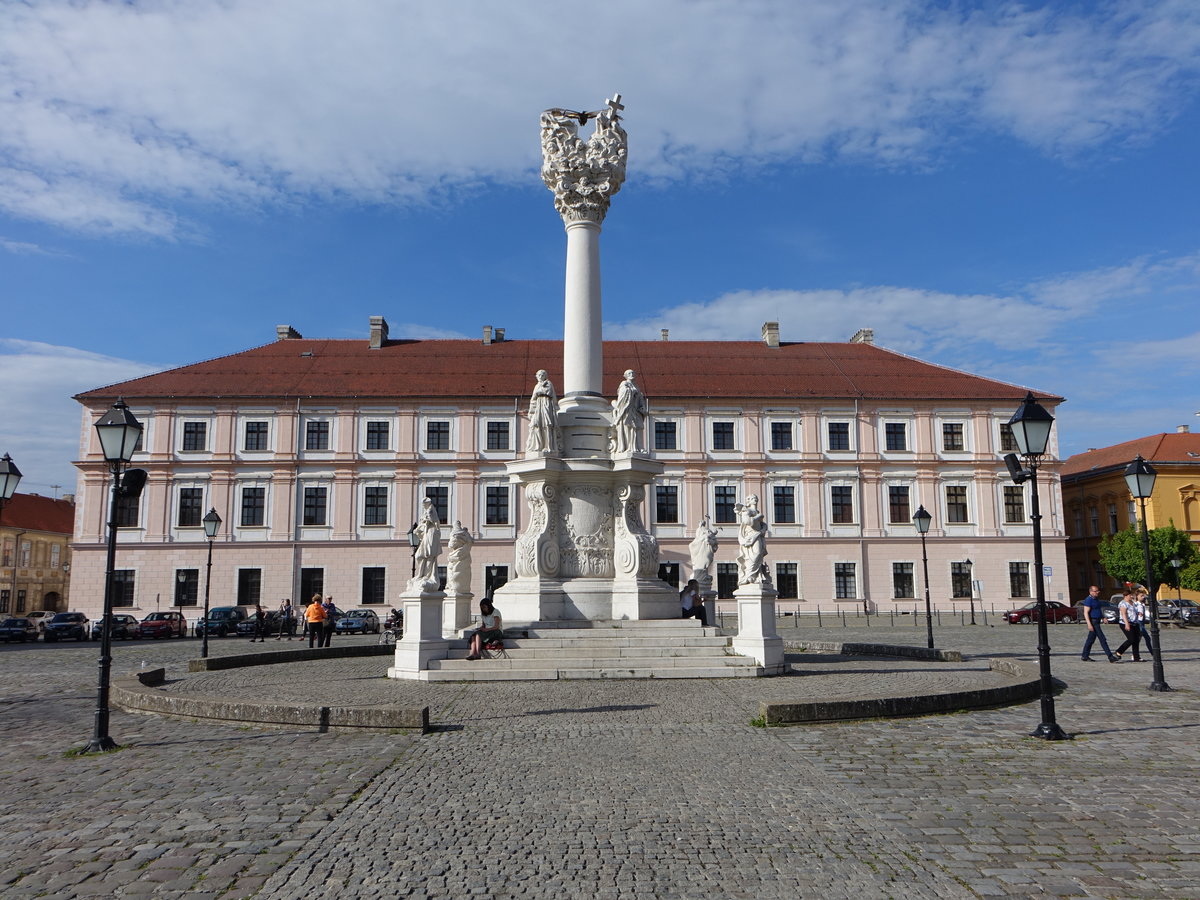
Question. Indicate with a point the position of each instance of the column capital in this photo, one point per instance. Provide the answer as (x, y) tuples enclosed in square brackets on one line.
[(584, 176)]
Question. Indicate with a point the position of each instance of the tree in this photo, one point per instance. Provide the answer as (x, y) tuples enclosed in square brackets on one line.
[(1121, 554)]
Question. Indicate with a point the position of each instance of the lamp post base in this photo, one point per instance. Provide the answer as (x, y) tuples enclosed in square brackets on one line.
[(1049, 731), (101, 745), (1160, 686)]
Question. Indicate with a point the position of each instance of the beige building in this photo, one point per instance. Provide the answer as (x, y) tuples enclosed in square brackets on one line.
[(35, 553), (317, 453)]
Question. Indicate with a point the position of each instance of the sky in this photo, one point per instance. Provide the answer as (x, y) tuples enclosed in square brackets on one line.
[(1006, 188)]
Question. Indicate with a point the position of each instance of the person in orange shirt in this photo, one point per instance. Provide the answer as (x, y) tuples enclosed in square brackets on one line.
[(314, 615)]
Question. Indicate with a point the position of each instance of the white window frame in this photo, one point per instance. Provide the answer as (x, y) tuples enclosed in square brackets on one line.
[(915, 577), (302, 438), (367, 416), (361, 502), (488, 416), (252, 482), (678, 420), (885, 502), (431, 480), (194, 531), (839, 417), (851, 482), (972, 503), (244, 418), (768, 428), (954, 418), (739, 438), (437, 415), (785, 529), (507, 528), (858, 580), (909, 423), (184, 419), (316, 481), (723, 482)]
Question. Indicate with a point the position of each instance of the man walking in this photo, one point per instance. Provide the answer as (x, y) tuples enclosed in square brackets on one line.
[(1094, 617)]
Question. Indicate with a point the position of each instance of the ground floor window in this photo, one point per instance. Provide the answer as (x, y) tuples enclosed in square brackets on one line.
[(960, 580), (727, 580), (669, 572), (124, 582), (373, 585), (787, 581), (187, 587), (844, 581), (1018, 579), (249, 589), (312, 583), (903, 583), (494, 578)]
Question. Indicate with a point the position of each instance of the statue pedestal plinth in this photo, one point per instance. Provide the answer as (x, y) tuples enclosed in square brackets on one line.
[(422, 639), (756, 635), (456, 613)]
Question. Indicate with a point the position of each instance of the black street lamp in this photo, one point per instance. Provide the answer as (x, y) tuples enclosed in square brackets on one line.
[(10, 477), (212, 524), (1031, 425), (118, 432), (971, 586), (1140, 475), (1177, 564), (922, 519), (413, 541)]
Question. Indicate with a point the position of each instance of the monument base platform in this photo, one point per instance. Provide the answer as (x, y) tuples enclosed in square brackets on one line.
[(572, 599)]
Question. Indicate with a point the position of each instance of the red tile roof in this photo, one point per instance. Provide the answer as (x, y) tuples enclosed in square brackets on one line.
[(1162, 449), (340, 369), (31, 512)]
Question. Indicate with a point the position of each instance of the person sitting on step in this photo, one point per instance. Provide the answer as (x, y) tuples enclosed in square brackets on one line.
[(490, 629)]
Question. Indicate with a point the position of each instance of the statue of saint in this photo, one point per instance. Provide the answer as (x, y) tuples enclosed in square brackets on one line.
[(543, 416), (703, 548), (458, 560), (629, 414), (429, 547), (752, 543)]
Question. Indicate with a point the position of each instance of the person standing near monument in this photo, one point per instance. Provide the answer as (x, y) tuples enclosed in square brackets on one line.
[(629, 414), (543, 416), (332, 613), (314, 619), (1094, 616), (287, 619)]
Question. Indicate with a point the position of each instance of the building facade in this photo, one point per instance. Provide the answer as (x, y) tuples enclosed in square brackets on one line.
[(318, 453), (1097, 502), (35, 553)]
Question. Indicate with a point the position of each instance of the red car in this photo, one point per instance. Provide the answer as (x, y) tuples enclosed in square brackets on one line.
[(1055, 612), (163, 625)]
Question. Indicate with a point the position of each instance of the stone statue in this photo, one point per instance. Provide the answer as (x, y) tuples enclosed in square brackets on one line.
[(752, 543), (543, 416), (703, 548), (629, 414), (458, 560), (584, 176), (429, 548)]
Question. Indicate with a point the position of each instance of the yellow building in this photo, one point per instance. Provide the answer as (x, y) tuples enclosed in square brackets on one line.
[(1097, 502), (35, 553)]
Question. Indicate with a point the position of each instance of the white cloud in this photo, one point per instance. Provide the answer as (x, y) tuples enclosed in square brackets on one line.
[(43, 421), (115, 113)]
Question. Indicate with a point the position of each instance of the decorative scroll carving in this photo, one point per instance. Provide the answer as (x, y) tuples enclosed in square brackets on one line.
[(636, 550), (584, 176), (586, 543), (537, 548)]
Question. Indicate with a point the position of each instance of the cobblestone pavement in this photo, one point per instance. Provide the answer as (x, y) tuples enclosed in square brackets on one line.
[(612, 789)]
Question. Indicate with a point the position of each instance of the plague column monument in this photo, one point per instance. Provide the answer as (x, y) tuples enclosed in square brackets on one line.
[(585, 552)]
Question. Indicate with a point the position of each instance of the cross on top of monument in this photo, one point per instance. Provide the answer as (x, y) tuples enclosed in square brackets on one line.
[(615, 104)]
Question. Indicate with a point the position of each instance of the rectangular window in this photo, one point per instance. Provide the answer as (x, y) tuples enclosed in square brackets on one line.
[(956, 504), (1113, 528), (722, 436), (1018, 579), (256, 436), (960, 580), (781, 435), (895, 435), (187, 587), (727, 580), (124, 581), (666, 504), (903, 585), (378, 435), (9, 547), (312, 584), (669, 572), (191, 503), (375, 506), (724, 499), (1078, 524), (841, 505), (249, 589), (195, 435), (316, 435), (844, 582), (1094, 520), (899, 509), (316, 505), (440, 496), (26, 553), (21, 595), (1008, 441), (1014, 504), (1130, 512), (55, 555), (839, 435), (498, 436), (254, 506), (787, 581), (784, 496), (374, 579), (127, 511), (437, 435), (5, 597), (496, 504), (952, 436), (665, 437)]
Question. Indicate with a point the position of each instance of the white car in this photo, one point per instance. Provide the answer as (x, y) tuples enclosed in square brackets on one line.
[(40, 617)]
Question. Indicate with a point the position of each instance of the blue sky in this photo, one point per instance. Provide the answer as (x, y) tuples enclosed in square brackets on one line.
[(1010, 189)]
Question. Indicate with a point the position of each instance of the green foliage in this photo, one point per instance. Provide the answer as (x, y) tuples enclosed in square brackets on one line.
[(1123, 559), (1189, 577)]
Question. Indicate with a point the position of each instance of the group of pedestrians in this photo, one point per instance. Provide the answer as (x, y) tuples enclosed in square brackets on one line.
[(320, 621), (1134, 622)]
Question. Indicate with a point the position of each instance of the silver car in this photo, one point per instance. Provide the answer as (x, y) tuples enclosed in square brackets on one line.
[(359, 621)]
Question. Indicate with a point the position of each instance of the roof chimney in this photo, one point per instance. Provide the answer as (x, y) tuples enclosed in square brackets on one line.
[(664, 334), (287, 333), (770, 334), (1183, 429), (379, 332), (499, 335), (487, 334), (69, 498), (863, 336)]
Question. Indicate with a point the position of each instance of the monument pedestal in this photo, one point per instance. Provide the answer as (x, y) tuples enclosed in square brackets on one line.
[(757, 636), (456, 613), (422, 639)]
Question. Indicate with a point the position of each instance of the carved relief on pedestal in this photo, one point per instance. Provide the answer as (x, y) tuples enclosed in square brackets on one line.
[(586, 543), (584, 176), (537, 547), (636, 550)]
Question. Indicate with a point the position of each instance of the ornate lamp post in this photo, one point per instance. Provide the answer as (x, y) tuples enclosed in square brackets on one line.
[(1031, 425), (971, 585), (1140, 475), (118, 432), (10, 477), (212, 524), (922, 519), (1177, 564)]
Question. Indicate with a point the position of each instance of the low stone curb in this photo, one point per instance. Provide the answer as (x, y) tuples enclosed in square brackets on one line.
[(1026, 689), (298, 654), (852, 649)]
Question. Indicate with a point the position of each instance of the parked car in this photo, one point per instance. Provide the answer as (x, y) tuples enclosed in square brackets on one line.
[(245, 628), (163, 625), (1111, 613), (1055, 612), (65, 626), (359, 621), (1182, 610), (222, 621), (18, 629), (39, 617), (124, 627)]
